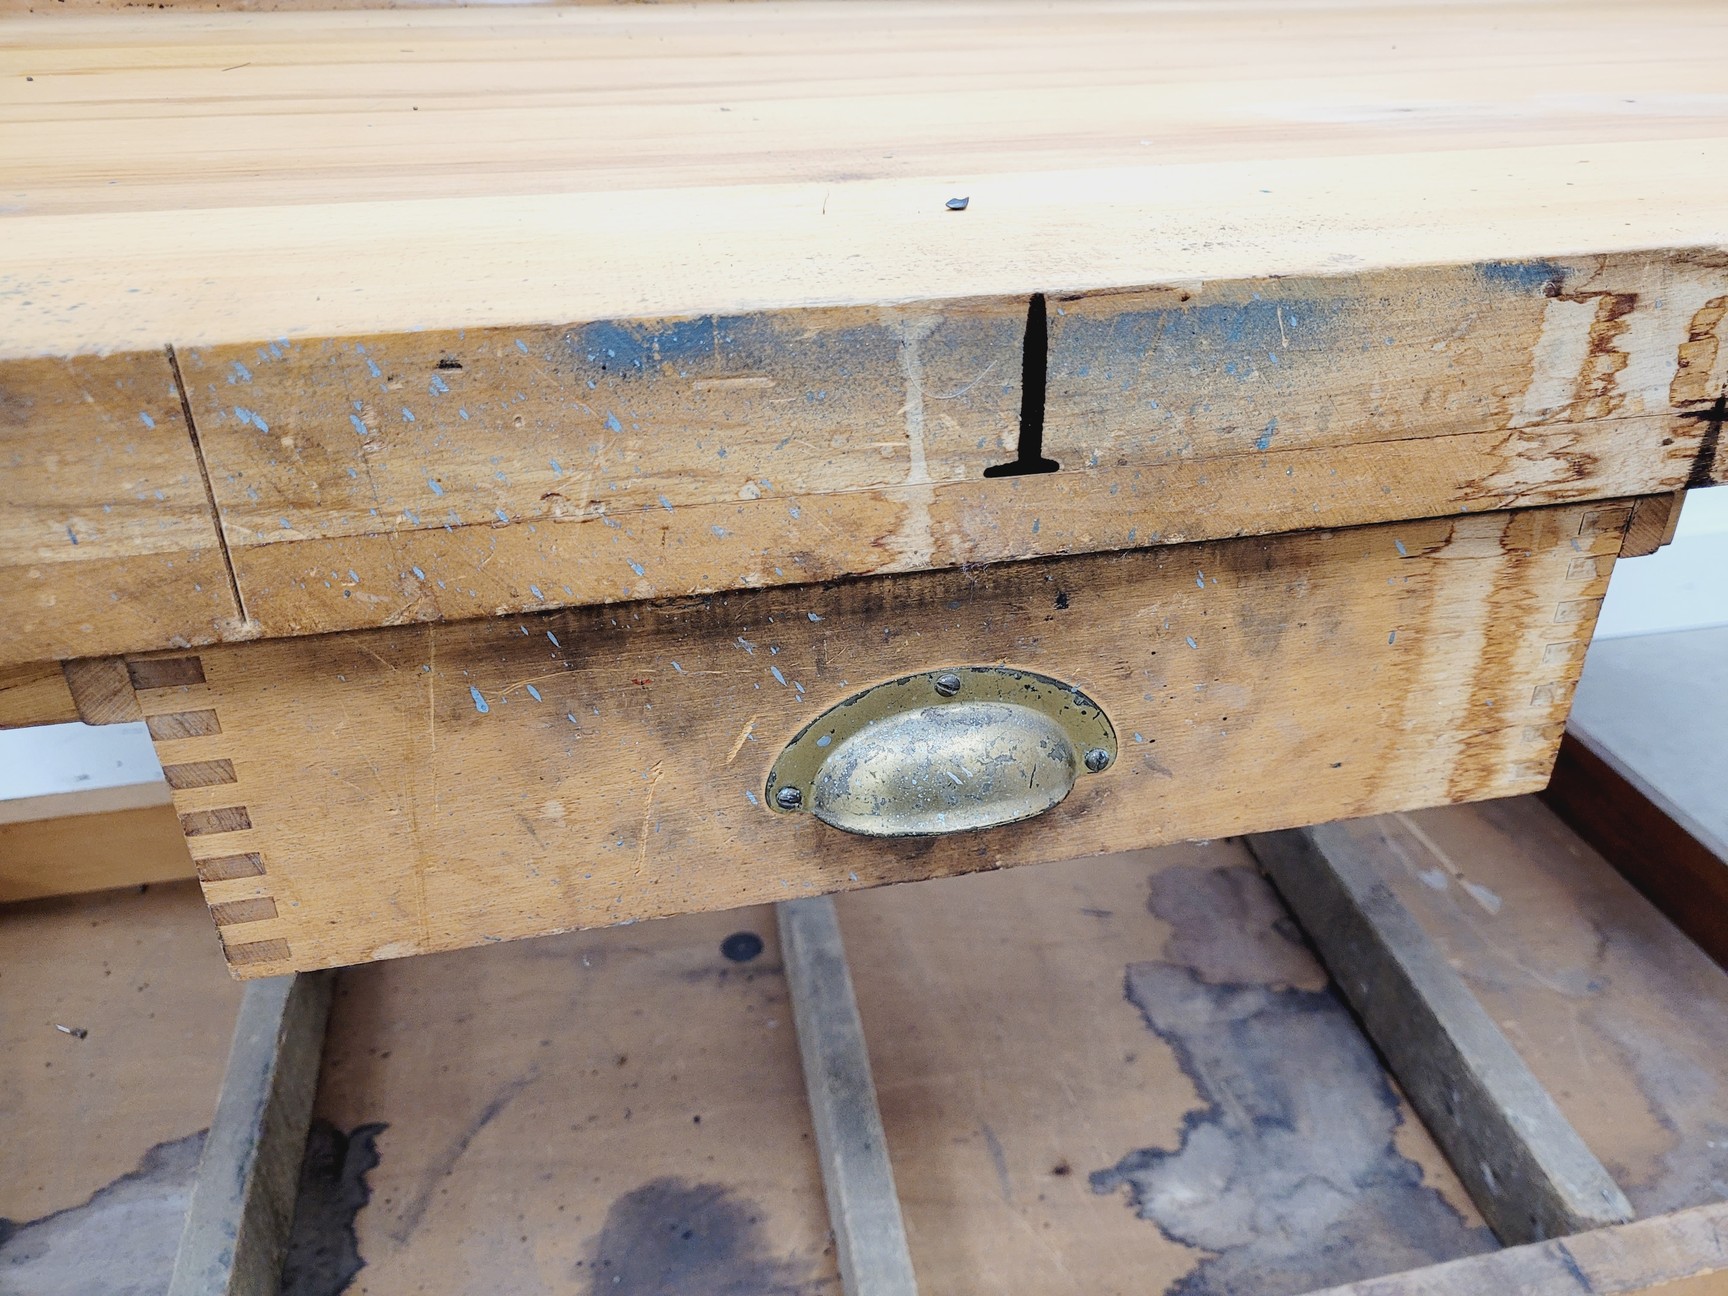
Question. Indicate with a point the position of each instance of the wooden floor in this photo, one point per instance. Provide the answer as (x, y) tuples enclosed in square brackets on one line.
[(1116, 1075)]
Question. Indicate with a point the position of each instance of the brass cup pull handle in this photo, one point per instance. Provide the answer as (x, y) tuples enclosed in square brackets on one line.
[(943, 751)]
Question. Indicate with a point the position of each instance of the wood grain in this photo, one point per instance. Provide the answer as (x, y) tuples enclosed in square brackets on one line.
[(1009, 1062), (242, 1203), (1679, 874), (857, 1177), (593, 766), (35, 694), (73, 842), (1343, 275), (1618, 1014), (471, 473), (386, 172), (1672, 1255), (107, 538)]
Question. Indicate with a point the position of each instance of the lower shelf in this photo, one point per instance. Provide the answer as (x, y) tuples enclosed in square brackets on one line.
[(1125, 1074)]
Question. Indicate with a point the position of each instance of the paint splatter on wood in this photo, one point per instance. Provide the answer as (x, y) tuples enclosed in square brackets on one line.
[(1287, 1173)]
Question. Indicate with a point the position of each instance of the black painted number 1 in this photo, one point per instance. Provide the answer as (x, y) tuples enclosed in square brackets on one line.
[(1034, 384)]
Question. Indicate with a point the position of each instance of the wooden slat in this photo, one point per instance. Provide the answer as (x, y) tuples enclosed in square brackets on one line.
[(243, 1200), (34, 694), (524, 775), (1527, 1170), (863, 1205), (1683, 1254), (107, 538)]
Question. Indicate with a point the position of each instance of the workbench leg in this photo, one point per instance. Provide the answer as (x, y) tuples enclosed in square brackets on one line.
[(1524, 1165), (243, 1199), (863, 1206)]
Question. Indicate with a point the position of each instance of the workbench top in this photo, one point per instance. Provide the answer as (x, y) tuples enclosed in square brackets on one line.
[(200, 178)]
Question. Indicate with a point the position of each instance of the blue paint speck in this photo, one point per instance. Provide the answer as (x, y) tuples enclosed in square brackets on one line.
[(813, 616), (612, 423), (752, 798), (433, 483), (407, 415), (1265, 438), (1402, 551), (556, 466), (146, 420), (535, 591), (479, 700), (824, 740), (666, 504), (521, 346), (1191, 642), (533, 692), (359, 427), (241, 373), (635, 566), (1392, 638), (554, 639), (778, 677), (418, 574), (372, 366)]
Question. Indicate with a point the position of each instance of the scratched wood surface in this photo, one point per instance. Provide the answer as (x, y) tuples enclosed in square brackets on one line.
[(390, 792), (757, 348), (106, 534), (465, 474), (1620, 1016), (105, 1118), (382, 172), (628, 1105), (1021, 1039)]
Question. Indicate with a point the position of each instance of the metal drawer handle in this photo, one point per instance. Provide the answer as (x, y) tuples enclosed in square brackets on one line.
[(943, 751)]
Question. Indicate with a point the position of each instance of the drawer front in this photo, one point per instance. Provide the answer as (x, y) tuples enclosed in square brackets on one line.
[(379, 793)]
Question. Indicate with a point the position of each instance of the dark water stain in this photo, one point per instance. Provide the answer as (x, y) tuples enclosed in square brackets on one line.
[(1288, 1174), (323, 1249), (671, 1237), (121, 1242)]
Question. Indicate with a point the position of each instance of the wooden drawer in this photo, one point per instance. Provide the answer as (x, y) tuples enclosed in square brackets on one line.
[(379, 793)]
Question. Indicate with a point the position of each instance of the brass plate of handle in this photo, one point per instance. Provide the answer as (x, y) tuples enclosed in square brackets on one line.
[(945, 750)]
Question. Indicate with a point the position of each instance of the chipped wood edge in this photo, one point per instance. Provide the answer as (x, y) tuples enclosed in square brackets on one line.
[(863, 1205), (1684, 1253), (1652, 525), (242, 1203), (102, 690), (1525, 1167)]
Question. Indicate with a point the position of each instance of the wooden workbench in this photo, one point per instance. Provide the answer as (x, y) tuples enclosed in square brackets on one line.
[(477, 441)]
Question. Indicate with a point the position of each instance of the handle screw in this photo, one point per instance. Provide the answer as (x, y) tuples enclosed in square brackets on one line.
[(788, 798), (1097, 759), (947, 685)]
